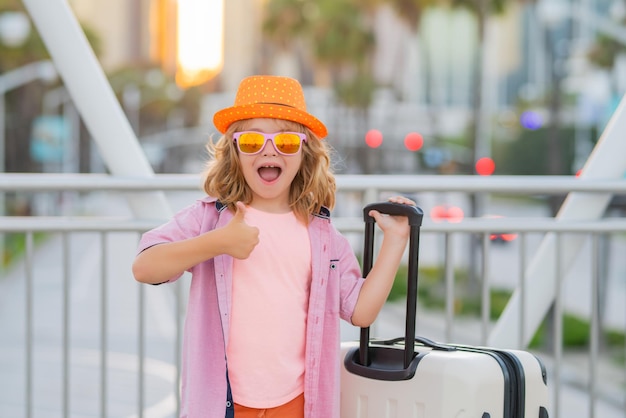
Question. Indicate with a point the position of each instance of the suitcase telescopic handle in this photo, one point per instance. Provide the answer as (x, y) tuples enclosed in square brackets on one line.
[(415, 216), (414, 213)]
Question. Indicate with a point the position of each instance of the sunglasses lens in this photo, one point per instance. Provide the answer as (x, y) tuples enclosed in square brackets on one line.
[(287, 143), (250, 142)]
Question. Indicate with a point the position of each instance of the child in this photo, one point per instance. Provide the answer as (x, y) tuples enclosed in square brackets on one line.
[(271, 276)]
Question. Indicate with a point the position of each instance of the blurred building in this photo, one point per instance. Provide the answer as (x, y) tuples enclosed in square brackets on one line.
[(426, 73), (123, 26), (146, 31), (432, 63)]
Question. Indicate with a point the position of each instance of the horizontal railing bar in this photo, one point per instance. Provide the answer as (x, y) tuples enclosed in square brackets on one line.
[(96, 182), (510, 225), (347, 224), (472, 183), (63, 224), (400, 183)]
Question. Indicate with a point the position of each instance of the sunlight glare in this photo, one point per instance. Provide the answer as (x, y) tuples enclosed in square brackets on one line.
[(200, 41)]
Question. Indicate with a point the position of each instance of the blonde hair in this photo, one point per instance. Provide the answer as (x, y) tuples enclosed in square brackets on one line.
[(313, 187)]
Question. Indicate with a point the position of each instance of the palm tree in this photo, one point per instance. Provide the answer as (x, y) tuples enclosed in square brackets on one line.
[(337, 42), (411, 10), (481, 9)]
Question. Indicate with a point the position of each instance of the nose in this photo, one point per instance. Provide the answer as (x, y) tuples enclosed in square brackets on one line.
[(269, 148)]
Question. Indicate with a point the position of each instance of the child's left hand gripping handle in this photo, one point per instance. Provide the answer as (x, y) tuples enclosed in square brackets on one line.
[(413, 213)]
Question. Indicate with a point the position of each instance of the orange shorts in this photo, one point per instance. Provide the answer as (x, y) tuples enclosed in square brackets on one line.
[(292, 409)]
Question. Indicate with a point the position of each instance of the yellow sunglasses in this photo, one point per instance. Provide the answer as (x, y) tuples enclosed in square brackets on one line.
[(252, 142)]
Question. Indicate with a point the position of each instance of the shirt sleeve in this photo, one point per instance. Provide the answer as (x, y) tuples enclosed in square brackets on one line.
[(183, 225), (351, 278)]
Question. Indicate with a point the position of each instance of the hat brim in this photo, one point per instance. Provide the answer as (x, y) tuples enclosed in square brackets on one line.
[(225, 117)]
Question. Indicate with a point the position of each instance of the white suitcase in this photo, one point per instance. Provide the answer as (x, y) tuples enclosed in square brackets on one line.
[(417, 378)]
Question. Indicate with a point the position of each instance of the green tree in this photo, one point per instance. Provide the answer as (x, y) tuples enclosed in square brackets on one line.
[(605, 50), (339, 40)]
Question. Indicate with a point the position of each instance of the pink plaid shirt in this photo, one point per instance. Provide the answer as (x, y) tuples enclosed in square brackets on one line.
[(335, 286)]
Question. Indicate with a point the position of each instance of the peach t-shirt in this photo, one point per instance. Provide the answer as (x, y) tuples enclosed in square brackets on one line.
[(265, 353)]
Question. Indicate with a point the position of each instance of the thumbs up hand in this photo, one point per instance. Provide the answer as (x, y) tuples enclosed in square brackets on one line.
[(241, 237)]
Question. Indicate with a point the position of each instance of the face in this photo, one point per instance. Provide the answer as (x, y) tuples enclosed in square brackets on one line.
[(269, 174)]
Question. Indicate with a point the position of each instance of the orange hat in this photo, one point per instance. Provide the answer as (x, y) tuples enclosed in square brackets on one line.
[(266, 96)]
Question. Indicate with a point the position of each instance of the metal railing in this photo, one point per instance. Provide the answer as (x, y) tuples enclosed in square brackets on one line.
[(442, 244)]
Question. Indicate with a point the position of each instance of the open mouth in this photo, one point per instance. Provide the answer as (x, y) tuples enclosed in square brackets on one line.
[(269, 172)]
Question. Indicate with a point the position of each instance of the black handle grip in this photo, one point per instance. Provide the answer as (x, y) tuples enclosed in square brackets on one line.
[(414, 213), (415, 216)]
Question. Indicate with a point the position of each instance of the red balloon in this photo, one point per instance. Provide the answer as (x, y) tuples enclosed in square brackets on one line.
[(413, 141), (485, 166), (374, 138)]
